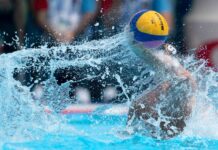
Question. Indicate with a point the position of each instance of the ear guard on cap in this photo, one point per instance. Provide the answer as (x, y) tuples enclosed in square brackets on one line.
[(170, 49)]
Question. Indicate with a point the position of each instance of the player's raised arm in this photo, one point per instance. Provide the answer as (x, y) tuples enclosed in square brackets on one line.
[(173, 64)]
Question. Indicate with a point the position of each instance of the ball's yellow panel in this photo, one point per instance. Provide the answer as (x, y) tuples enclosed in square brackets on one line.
[(152, 23)]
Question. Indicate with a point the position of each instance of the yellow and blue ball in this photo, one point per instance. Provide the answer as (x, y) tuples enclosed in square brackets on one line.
[(150, 28)]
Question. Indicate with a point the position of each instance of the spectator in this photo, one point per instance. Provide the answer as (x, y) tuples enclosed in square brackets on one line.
[(63, 20), (12, 24), (107, 20), (35, 32)]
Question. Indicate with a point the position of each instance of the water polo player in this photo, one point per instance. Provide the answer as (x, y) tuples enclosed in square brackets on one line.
[(161, 111)]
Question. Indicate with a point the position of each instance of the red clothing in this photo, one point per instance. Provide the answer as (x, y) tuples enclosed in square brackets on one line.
[(106, 5), (40, 5)]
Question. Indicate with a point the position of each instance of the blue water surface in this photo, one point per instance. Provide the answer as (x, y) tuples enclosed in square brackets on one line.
[(112, 57), (100, 132)]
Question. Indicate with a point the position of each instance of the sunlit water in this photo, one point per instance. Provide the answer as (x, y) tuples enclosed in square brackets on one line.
[(24, 123)]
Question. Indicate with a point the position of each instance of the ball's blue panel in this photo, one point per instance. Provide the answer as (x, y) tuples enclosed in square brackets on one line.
[(139, 36), (135, 18)]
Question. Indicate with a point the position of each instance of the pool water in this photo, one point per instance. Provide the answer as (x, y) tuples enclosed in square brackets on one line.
[(25, 125), (99, 132)]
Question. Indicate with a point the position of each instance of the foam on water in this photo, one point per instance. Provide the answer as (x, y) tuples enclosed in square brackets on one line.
[(20, 113), (204, 120), (22, 117)]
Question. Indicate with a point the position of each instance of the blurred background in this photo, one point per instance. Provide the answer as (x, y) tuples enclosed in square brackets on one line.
[(33, 23)]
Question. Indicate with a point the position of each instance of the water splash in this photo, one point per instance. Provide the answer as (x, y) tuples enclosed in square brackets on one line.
[(107, 60), (203, 122)]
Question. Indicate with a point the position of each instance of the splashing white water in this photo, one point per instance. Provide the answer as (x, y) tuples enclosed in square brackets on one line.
[(21, 115), (108, 60), (204, 120)]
